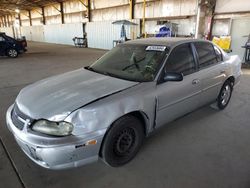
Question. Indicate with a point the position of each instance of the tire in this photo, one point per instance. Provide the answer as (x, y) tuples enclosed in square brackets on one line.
[(122, 141), (225, 95), (11, 52)]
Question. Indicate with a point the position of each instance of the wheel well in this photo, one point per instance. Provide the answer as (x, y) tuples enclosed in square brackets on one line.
[(139, 115), (142, 117), (231, 79)]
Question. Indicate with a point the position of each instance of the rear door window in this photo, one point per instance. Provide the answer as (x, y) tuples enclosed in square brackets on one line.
[(206, 54), (218, 54)]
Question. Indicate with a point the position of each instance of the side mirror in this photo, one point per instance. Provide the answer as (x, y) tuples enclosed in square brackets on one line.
[(173, 76)]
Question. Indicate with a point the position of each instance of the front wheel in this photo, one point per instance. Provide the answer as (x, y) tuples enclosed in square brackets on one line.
[(13, 53), (122, 141), (225, 95)]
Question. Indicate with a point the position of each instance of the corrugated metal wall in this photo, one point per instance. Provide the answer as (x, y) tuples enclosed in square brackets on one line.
[(223, 6), (102, 34), (57, 33), (33, 33), (62, 33)]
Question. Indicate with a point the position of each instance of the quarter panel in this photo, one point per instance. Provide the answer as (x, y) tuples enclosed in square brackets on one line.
[(212, 79)]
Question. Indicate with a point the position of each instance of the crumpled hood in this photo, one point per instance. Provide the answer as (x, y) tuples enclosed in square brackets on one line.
[(56, 97)]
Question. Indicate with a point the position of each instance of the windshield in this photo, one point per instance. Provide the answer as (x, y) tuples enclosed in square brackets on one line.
[(138, 63)]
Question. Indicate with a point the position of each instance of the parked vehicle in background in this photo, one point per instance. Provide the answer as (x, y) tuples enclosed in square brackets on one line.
[(107, 109), (12, 47)]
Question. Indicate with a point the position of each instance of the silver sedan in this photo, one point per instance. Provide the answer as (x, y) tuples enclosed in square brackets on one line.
[(107, 109)]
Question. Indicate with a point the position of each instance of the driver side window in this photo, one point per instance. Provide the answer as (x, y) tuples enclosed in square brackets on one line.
[(181, 60)]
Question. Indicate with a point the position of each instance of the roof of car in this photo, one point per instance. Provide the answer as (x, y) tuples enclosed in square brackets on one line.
[(164, 41)]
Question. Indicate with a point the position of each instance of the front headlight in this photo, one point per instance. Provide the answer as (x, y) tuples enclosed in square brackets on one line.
[(53, 128)]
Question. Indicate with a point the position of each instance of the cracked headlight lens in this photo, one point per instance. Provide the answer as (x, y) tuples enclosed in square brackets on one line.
[(53, 128)]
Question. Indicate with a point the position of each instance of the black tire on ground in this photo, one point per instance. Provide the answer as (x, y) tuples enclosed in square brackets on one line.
[(225, 95), (122, 141), (11, 52)]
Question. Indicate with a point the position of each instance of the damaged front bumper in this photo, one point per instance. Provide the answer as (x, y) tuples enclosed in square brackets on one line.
[(57, 152)]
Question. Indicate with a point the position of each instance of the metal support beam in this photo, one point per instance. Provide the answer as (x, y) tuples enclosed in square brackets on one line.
[(59, 10), (19, 18), (132, 9), (88, 10), (43, 16), (30, 19), (62, 12), (38, 11), (8, 20), (83, 3), (143, 19), (5, 22), (2, 23)]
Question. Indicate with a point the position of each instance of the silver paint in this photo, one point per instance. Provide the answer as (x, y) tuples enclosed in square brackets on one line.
[(92, 102)]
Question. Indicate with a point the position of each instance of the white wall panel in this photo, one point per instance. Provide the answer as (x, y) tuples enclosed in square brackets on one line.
[(101, 34), (25, 22), (185, 26), (7, 30), (107, 3), (221, 27), (33, 33), (73, 6), (117, 13), (62, 33), (26, 31), (223, 6), (37, 21), (239, 31)]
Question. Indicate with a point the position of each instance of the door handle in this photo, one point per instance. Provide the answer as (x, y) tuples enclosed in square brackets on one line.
[(195, 81)]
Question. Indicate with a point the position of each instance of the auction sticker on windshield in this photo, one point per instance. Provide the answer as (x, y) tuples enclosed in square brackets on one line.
[(156, 48)]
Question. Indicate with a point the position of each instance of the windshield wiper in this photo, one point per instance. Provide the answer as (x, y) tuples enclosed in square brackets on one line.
[(91, 69), (101, 72)]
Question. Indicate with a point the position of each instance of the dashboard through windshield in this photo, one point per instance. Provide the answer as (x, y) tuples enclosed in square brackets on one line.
[(132, 62)]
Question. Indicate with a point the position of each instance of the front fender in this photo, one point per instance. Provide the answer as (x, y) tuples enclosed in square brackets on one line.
[(102, 113)]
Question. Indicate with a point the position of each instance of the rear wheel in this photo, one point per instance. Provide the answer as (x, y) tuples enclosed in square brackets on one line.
[(122, 141), (11, 52), (225, 95)]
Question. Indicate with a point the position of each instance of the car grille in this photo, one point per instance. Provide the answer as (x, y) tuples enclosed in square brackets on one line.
[(18, 118)]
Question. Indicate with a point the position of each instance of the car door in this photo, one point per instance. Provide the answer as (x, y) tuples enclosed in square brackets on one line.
[(175, 99), (211, 69), (2, 46)]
